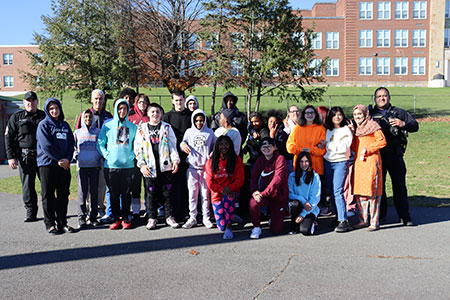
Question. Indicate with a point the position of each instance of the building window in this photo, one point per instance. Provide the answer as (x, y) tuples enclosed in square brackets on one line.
[(447, 38), (419, 38), (418, 66), (384, 10), (400, 66), (419, 10), (383, 38), (401, 10), (365, 66), (297, 72), (383, 65), (299, 37), (365, 38), (211, 41), (237, 40), (447, 8), (7, 59), (365, 10), (401, 38), (195, 42), (332, 40), (314, 67), (316, 40), (332, 67), (237, 69), (8, 81)]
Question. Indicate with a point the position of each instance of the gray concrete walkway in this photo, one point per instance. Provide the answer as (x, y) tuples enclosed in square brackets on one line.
[(394, 263)]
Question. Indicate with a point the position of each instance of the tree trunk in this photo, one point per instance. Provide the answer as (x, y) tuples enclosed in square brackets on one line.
[(249, 102), (213, 99), (258, 96)]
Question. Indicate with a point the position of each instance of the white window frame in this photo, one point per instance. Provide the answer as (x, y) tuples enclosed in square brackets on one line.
[(400, 66), (332, 40), (419, 10), (401, 38), (401, 10), (419, 38), (8, 59), (237, 39), (316, 40), (366, 38), (237, 69), (383, 38), (384, 10), (366, 10), (8, 81), (332, 69), (418, 66), (365, 66), (383, 66), (313, 64)]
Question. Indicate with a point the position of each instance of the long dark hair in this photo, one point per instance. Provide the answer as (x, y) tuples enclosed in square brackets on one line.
[(332, 113), (231, 155), (302, 120), (299, 172)]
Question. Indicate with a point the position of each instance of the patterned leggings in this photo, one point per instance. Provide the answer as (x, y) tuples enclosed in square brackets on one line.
[(369, 205), (224, 212)]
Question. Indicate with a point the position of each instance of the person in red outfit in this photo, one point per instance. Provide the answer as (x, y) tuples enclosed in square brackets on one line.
[(269, 187), (224, 176)]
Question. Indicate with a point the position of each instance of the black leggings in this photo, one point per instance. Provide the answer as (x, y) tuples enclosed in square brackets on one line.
[(305, 226)]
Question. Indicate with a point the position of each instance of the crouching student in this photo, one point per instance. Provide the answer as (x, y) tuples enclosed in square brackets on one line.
[(304, 194), (55, 146), (224, 176), (157, 158), (89, 163), (115, 144), (198, 142), (268, 185)]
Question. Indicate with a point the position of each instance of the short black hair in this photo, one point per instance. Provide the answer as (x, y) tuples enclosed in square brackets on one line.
[(127, 91), (178, 92), (380, 89)]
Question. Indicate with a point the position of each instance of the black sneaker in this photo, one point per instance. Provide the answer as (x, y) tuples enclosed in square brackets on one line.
[(82, 222), (136, 219), (343, 226), (66, 229), (94, 222)]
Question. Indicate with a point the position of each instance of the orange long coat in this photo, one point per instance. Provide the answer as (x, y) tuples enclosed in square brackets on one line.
[(308, 136), (368, 173)]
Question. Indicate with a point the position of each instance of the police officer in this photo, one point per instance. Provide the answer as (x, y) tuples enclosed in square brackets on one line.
[(20, 140), (395, 123)]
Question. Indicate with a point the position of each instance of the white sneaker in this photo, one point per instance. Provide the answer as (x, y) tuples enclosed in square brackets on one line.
[(151, 224), (191, 222), (228, 235), (172, 223), (207, 223), (106, 219), (256, 232)]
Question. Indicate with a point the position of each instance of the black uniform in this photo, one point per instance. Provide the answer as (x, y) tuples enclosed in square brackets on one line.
[(392, 157), (20, 141)]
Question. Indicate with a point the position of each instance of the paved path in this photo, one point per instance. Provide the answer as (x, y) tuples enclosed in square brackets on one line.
[(6, 171), (394, 263)]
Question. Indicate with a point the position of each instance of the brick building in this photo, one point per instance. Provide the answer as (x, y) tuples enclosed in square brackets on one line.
[(369, 42)]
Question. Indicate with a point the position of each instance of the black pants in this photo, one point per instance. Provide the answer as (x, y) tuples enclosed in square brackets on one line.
[(119, 184), (157, 187), (88, 179), (28, 170), (395, 165), (305, 226), (180, 198), (55, 179)]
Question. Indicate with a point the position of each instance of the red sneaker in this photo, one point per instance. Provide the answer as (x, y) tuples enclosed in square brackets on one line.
[(115, 225), (126, 224)]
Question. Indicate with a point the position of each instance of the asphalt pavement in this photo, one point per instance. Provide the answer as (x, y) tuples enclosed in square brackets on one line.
[(395, 262)]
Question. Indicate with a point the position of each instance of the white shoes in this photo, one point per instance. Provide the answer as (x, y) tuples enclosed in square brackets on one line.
[(256, 232), (191, 222), (172, 223), (207, 222), (151, 224)]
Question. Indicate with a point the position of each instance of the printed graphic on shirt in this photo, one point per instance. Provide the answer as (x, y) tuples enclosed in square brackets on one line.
[(61, 135), (221, 172), (199, 141), (123, 135), (264, 174), (154, 133)]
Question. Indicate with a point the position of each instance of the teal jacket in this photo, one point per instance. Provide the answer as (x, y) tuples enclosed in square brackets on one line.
[(116, 139)]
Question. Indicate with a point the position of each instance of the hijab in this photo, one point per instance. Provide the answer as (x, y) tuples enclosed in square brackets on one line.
[(367, 126)]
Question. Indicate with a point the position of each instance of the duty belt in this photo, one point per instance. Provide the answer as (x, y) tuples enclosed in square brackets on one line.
[(27, 151)]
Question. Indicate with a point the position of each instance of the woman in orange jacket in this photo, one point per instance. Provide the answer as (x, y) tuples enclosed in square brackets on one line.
[(368, 175)]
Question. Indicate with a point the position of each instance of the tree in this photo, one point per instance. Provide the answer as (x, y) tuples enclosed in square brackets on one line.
[(79, 50), (274, 51)]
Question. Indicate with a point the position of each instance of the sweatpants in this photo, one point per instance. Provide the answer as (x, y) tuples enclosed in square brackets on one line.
[(276, 210), (196, 179), (119, 181), (88, 184), (223, 212), (157, 187)]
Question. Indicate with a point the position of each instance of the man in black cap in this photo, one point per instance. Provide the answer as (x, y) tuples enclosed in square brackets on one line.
[(20, 141)]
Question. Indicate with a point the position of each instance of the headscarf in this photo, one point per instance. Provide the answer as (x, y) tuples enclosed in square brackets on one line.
[(368, 126)]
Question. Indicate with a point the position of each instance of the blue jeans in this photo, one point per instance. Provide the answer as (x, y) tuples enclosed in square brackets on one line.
[(335, 173)]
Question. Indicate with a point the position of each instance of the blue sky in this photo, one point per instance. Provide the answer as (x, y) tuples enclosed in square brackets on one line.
[(21, 18)]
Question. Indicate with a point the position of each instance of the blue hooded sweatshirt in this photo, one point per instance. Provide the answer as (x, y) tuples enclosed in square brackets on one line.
[(116, 139), (54, 138), (86, 145)]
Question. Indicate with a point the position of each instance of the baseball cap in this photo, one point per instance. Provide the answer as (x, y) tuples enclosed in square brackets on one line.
[(30, 95)]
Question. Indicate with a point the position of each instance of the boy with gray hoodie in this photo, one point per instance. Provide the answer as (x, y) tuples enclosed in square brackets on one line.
[(198, 142)]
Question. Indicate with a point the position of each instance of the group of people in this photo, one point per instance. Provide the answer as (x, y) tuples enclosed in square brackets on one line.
[(299, 165)]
